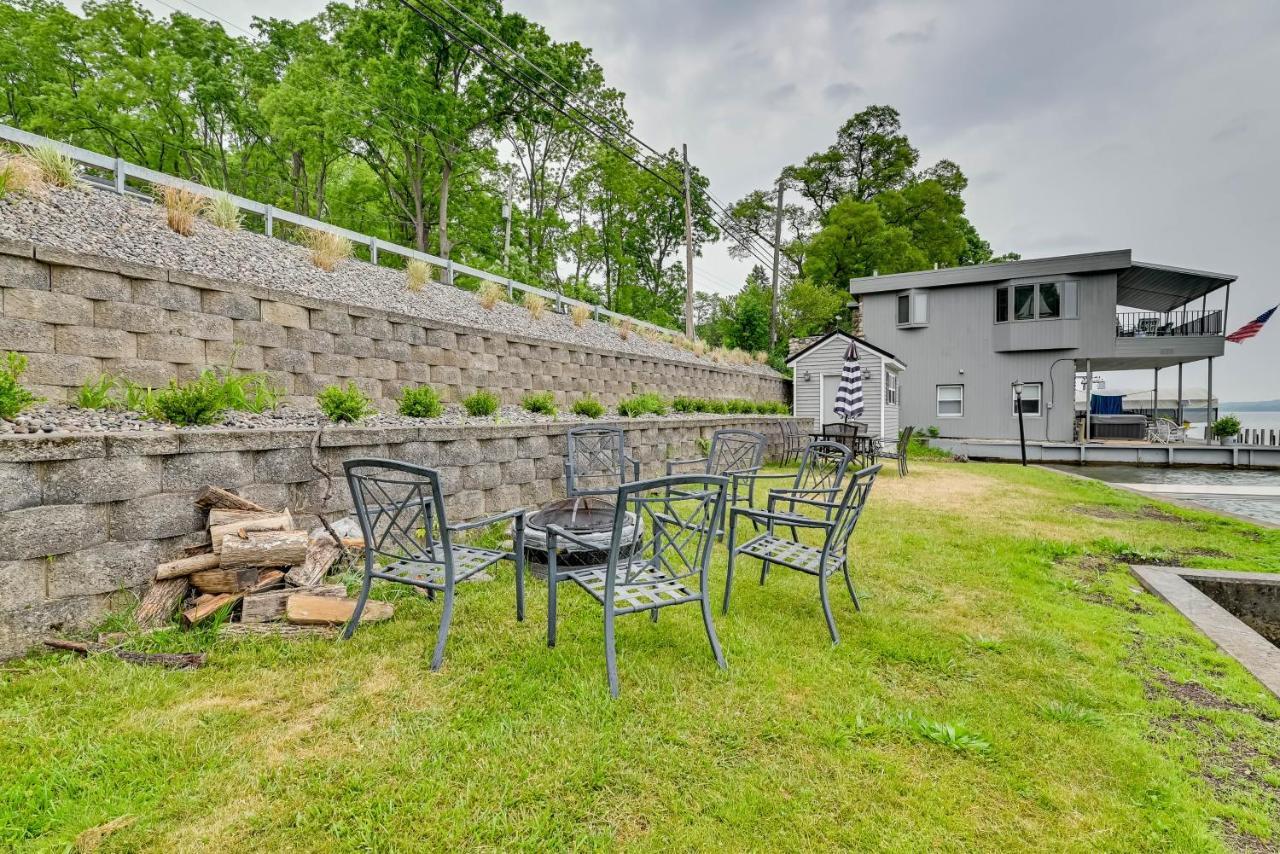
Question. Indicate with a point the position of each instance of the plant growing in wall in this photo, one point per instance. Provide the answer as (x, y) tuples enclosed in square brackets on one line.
[(328, 250), (580, 314), (56, 168), (421, 402), (188, 404), (181, 207), (491, 293), (418, 274), (588, 407), (13, 396), (641, 405), (97, 393), (344, 404), (481, 404), (540, 403), (535, 305), (222, 212)]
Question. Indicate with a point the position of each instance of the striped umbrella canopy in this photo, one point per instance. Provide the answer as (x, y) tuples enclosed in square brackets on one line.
[(849, 392)]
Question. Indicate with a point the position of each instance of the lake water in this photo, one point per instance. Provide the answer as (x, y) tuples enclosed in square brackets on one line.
[(1262, 420), (1262, 509)]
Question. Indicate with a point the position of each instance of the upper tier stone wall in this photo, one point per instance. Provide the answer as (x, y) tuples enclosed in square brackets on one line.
[(76, 316)]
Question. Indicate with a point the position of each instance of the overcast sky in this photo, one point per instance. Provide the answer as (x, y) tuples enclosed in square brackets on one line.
[(1082, 126)]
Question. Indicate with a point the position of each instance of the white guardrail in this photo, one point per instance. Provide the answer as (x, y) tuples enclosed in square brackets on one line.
[(122, 170)]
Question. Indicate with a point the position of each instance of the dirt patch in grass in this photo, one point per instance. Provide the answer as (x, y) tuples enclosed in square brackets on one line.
[(1193, 694), (1149, 511), (942, 488)]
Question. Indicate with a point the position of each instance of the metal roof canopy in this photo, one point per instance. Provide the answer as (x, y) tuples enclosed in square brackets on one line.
[(1140, 285)]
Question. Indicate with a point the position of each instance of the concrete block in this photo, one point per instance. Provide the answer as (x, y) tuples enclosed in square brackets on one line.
[(502, 499), (465, 505), (230, 305), (155, 517), (371, 327), (352, 345), (21, 583), (26, 336), (409, 333), (387, 348), (258, 333), (93, 341), (179, 349), (331, 320), (130, 317), (445, 375), (25, 627), (336, 364), (275, 495), (311, 340), (63, 309), (284, 465), (23, 273), (93, 284), (94, 481), (285, 314), (244, 357), (105, 568), (40, 447), (442, 338), (19, 486), (382, 369), (481, 476), (197, 324), (52, 529), (286, 359), (532, 447), (412, 372), (60, 370), (146, 372), (191, 471), (518, 471), (166, 295)]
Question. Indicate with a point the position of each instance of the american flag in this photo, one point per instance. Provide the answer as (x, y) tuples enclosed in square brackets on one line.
[(1253, 327)]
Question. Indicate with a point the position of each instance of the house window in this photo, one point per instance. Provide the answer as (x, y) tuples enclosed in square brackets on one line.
[(1030, 400), (890, 387), (1036, 301), (913, 308), (950, 401)]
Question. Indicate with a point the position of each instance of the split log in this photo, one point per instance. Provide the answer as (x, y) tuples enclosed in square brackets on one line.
[(268, 580), (173, 661), (211, 496), (323, 611), (265, 607), (204, 610), (186, 566), (265, 548), (160, 601), (283, 630), (218, 516), (260, 522), (321, 554), (226, 580)]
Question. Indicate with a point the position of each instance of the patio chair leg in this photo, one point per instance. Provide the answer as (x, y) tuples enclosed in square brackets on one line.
[(728, 578), (764, 571), (446, 615), (711, 632), (519, 562), (653, 615), (610, 653), (355, 616), (857, 606), (551, 607), (826, 608)]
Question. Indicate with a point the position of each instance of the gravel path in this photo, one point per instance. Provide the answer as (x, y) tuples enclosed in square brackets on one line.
[(103, 223)]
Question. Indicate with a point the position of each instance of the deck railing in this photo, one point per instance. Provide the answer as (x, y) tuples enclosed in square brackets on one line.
[(121, 171), (1159, 324)]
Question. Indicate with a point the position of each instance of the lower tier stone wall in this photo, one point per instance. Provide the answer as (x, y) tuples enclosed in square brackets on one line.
[(85, 518)]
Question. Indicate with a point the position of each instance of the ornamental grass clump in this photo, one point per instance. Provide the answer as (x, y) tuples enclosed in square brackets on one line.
[(481, 404), (624, 329), (56, 168), (181, 207), (344, 404), (418, 274), (221, 210), (328, 250), (535, 305), (540, 403), (20, 174), (14, 397), (491, 293), (588, 407), (98, 393), (421, 402), (641, 405), (580, 314)]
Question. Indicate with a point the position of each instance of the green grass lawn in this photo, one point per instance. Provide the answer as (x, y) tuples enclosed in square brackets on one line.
[(1007, 686)]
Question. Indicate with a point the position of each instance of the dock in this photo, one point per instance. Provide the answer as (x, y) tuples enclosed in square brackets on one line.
[(1116, 453)]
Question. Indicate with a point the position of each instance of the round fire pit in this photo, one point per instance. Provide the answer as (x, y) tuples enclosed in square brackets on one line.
[(585, 517)]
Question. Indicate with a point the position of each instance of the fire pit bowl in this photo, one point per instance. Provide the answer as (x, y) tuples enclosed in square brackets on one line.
[(588, 518)]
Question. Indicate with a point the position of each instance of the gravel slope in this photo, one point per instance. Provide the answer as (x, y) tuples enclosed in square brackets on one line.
[(103, 223)]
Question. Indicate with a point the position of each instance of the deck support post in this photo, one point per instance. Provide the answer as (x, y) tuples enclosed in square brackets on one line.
[(1088, 399), (1208, 406), (1180, 413), (1155, 395)]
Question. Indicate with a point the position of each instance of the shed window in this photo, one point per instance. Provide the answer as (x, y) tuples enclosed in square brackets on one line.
[(950, 401), (890, 387)]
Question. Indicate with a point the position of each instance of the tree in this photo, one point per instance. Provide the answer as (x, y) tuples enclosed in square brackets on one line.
[(857, 241)]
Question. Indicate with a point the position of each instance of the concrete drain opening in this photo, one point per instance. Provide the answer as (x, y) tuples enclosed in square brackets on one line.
[(1239, 611)]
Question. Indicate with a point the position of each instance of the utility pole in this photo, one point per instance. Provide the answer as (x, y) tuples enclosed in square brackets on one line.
[(506, 214), (777, 242), (688, 248)]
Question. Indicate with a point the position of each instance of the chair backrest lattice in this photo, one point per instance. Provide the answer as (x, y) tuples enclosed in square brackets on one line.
[(850, 510), (596, 462), (735, 450), (400, 509), (676, 520), (822, 467)]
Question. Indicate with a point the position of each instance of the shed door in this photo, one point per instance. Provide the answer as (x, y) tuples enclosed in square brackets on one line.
[(830, 383)]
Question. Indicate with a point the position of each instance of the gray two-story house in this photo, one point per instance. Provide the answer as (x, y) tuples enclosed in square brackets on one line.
[(970, 332)]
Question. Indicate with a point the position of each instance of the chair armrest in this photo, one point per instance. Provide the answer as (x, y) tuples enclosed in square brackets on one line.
[(743, 473), (780, 518), (671, 464), (517, 514), (555, 532), (785, 494), (826, 505)]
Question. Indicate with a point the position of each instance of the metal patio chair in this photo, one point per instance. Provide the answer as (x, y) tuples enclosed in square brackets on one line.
[(837, 520), (819, 476), (792, 441), (735, 454), (408, 540), (597, 461), (660, 554), (899, 449)]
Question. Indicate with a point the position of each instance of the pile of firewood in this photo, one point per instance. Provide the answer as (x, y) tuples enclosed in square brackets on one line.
[(259, 566)]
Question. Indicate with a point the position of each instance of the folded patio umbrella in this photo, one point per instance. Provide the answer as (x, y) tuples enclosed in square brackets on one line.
[(849, 392)]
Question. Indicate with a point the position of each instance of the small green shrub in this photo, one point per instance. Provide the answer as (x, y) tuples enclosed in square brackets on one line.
[(686, 404), (741, 407), (344, 404), (137, 398), (1226, 426), (188, 404), (642, 404), (481, 404), (933, 432), (540, 403), (588, 407), (97, 394), (13, 396), (421, 402), (243, 392)]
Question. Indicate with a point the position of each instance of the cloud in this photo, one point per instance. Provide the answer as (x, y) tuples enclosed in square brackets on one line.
[(920, 35), (840, 91)]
